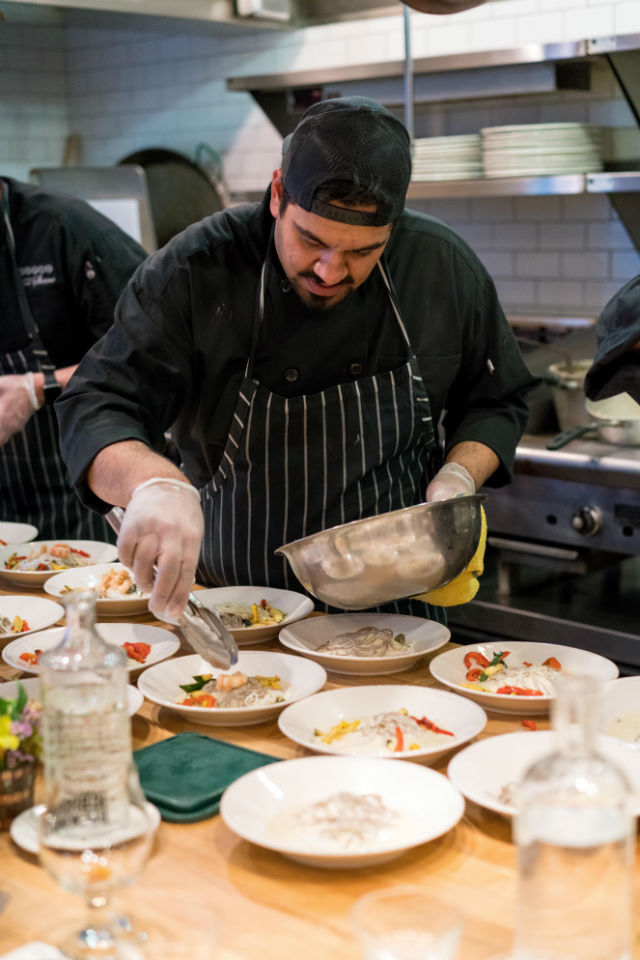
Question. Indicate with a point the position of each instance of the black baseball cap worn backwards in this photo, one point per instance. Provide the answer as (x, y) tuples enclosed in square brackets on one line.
[(356, 141)]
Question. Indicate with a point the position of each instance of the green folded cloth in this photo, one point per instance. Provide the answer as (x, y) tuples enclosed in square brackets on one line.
[(186, 775)]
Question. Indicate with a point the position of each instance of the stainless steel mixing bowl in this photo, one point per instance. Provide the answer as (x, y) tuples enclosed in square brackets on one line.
[(390, 556)]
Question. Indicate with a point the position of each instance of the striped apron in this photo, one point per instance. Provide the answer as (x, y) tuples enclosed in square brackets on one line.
[(33, 485), (294, 466)]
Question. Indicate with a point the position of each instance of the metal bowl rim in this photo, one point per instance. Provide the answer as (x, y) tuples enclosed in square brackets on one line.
[(478, 498)]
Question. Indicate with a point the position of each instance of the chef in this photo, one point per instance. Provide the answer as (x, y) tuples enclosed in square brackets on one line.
[(62, 269), (319, 354), (616, 366)]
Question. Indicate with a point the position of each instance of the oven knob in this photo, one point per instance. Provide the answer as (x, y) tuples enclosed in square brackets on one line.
[(587, 521)]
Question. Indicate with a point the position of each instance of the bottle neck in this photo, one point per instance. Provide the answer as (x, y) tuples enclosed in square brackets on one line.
[(575, 714), (81, 617)]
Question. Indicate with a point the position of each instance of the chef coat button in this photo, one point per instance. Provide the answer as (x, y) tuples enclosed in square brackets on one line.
[(355, 369), (291, 374)]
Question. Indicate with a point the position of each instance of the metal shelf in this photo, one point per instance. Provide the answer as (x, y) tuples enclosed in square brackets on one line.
[(572, 183)]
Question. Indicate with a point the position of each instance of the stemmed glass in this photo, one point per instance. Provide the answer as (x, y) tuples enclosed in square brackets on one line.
[(91, 844)]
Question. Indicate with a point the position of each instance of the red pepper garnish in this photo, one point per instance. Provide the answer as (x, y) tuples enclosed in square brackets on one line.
[(42, 566), (526, 663), (399, 741), (530, 724), (199, 700), (520, 691), (429, 725), (3, 543), (31, 658), (81, 553), (137, 651), (475, 656), (553, 663), (475, 674), (263, 603)]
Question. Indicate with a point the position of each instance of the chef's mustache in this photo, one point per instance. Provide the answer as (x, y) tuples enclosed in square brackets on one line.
[(346, 281)]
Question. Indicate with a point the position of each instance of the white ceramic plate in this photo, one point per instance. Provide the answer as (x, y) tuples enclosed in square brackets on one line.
[(24, 829), (163, 644), (294, 605), (483, 769), (161, 685), (17, 532), (619, 697), (258, 806), (424, 635), (9, 690), (88, 578), (38, 612), (449, 668), (98, 551), (324, 710)]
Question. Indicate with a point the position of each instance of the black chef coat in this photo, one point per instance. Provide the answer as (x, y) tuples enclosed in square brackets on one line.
[(616, 368), (73, 262), (177, 351)]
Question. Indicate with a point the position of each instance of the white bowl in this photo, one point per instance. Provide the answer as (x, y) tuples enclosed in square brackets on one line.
[(258, 806), (483, 769), (449, 668), (98, 551), (31, 685), (17, 532), (324, 710), (294, 605), (163, 644), (424, 635), (88, 578), (620, 697), (161, 685), (38, 612)]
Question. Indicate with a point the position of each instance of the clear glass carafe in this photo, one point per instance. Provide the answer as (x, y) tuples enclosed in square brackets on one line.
[(574, 830)]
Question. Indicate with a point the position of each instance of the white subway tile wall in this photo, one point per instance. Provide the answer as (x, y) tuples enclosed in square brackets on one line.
[(130, 83)]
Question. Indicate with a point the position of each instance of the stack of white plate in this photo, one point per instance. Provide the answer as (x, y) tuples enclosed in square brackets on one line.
[(541, 149), (447, 158)]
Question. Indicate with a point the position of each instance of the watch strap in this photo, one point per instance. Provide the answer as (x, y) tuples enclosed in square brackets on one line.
[(52, 388)]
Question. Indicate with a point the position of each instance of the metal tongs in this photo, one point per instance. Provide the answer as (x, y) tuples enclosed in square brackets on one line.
[(201, 627)]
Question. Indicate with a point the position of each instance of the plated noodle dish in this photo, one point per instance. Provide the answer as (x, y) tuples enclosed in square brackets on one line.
[(368, 641), (10, 626), (57, 556), (497, 676), (114, 584), (342, 821), (233, 690), (238, 616), (393, 731)]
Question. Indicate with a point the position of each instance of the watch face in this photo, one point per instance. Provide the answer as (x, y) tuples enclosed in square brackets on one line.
[(52, 388)]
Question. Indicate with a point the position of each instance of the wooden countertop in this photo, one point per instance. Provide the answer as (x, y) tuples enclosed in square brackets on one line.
[(273, 908)]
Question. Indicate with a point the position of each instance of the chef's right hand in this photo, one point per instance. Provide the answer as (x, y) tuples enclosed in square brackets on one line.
[(18, 403), (163, 525)]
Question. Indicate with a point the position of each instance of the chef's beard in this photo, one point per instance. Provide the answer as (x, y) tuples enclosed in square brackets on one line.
[(315, 301)]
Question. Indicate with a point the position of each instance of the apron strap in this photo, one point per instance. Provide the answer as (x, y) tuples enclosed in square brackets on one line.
[(393, 297), (38, 349)]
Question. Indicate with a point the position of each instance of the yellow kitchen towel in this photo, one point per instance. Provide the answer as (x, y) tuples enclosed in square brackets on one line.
[(466, 585)]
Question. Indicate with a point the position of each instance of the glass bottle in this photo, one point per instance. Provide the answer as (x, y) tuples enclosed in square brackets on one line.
[(574, 831), (85, 723)]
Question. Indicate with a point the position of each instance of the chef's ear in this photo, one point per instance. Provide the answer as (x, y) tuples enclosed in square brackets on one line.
[(276, 192)]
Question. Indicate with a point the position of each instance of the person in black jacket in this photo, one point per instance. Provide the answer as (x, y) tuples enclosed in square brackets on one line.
[(616, 366), (62, 269), (317, 355)]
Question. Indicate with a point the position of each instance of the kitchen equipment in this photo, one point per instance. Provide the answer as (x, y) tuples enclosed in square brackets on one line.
[(398, 554), (566, 380), (615, 419), (201, 628), (180, 191)]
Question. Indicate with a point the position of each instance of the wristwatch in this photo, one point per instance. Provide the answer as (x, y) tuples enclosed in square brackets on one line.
[(52, 388)]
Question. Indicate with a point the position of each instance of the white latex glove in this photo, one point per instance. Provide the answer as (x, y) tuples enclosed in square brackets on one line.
[(451, 480), (18, 402), (163, 525)]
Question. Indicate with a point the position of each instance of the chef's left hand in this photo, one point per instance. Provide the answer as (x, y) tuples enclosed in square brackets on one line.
[(452, 480), (18, 402)]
